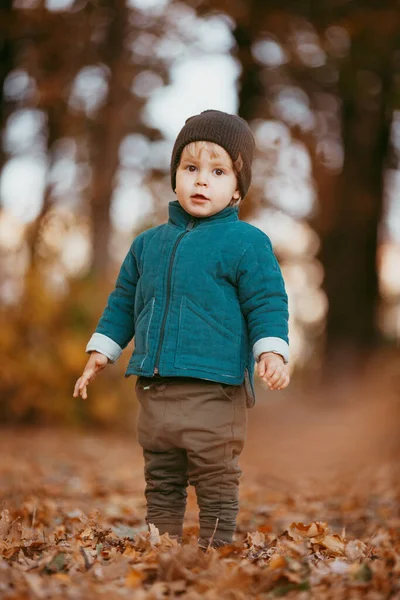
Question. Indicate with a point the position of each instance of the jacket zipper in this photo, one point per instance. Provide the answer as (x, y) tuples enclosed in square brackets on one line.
[(189, 227)]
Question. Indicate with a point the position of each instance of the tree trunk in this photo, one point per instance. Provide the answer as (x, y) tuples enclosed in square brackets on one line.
[(109, 131), (350, 244), (6, 65)]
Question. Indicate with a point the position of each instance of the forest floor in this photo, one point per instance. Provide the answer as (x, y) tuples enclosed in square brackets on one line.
[(319, 513)]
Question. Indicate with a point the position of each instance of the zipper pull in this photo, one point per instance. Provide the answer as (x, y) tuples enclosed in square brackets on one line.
[(155, 371), (190, 225)]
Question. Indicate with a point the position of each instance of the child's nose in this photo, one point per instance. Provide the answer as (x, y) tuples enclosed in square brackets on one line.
[(201, 178)]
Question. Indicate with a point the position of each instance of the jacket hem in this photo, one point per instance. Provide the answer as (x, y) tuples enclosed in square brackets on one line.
[(187, 373)]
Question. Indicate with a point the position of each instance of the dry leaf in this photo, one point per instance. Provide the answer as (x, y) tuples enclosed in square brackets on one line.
[(300, 531), (333, 543), (277, 562), (256, 539), (134, 578), (355, 549)]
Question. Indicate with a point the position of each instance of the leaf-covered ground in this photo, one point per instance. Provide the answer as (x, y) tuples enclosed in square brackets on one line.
[(319, 511)]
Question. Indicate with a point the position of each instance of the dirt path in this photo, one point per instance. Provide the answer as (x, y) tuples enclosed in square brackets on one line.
[(298, 443), (72, 508)]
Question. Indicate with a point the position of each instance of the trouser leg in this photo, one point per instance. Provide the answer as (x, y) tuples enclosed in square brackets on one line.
[(166, 482), (213, 448), (165, 462), (194, 429), (217, 490)]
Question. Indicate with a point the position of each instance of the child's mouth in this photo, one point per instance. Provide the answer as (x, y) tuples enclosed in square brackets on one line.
[(199, 198)]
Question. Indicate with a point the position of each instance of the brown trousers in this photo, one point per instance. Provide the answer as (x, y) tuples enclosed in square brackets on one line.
[(191, 431)]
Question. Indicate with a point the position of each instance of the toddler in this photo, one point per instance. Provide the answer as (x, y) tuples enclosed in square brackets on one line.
[(204, 298)]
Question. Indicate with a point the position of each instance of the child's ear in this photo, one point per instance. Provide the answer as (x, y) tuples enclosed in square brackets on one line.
[(236, 195), (235, 198)]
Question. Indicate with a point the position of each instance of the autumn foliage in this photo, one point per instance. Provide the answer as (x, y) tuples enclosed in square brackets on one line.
[(42, 345), (72, 526)]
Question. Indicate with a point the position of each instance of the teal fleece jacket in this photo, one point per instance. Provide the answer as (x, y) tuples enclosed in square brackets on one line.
[(202, 297)]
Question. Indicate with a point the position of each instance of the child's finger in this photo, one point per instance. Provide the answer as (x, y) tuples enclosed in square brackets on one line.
[(270, 370), (88, 376), (261, 368), (86, 379), (268, 382), (285, 383), (275, 377), (277, 384), (77, 388), (82, 382)]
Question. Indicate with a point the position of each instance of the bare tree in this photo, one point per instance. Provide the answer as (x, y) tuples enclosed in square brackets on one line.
[(6, 63), (349, 251)]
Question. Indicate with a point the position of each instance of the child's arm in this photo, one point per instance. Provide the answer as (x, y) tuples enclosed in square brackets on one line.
[(264, 303), (115, 328)]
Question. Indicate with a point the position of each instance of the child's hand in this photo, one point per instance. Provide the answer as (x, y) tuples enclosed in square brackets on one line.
[(273, 371), (97, 362)]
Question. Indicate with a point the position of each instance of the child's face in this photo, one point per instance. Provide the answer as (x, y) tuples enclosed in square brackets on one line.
[(205, 180)]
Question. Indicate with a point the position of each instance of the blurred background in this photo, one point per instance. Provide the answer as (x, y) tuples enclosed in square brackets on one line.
[(92, 95)]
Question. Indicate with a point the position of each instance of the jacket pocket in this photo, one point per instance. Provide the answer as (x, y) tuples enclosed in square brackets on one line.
[(141, 340), (205, 345)]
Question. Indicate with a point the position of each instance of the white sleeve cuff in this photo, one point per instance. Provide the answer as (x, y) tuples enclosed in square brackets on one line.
[(271, 344), (101, 343)]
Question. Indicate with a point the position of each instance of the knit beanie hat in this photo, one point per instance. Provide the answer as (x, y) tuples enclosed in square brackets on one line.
[(229, 131)]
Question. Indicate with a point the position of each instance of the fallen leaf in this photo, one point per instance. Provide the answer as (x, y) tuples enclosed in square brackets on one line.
[(134, 578), (355, 549), (277, 561), (300, 531), (333, 543)]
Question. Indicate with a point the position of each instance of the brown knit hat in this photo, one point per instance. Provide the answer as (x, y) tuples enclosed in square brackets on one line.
[(229, 131)]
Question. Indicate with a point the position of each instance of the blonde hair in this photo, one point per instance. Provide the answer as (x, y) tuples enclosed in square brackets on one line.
[(194, 149)]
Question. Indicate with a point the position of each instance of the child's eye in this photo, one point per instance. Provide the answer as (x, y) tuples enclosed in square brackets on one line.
[(191, 168), (219, 172)]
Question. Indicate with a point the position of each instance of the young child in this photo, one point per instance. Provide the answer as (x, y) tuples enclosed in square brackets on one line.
[(204, 297)]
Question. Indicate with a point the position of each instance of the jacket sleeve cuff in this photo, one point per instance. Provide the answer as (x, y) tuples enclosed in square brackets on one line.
[(101, 343), (271, 344)]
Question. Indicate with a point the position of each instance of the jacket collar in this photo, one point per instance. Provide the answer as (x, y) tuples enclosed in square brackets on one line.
[(180, 218)]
